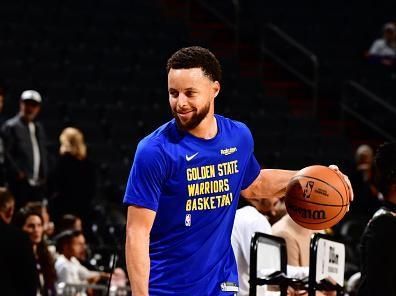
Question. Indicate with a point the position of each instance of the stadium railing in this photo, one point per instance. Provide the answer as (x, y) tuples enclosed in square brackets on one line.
[(64, 289)]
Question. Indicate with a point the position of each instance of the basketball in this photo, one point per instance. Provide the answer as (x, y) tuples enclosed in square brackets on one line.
[(317, 197)]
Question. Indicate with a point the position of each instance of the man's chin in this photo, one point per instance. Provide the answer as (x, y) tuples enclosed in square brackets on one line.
[(186, 125)]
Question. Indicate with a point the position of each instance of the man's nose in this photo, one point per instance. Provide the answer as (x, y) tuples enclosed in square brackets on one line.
[(182, 100)]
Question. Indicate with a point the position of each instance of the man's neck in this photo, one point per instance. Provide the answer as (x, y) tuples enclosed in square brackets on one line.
[(207, 129), (67, 256), (24, 118)]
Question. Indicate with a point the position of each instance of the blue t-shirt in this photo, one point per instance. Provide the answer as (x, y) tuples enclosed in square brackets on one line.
[(193, 185)]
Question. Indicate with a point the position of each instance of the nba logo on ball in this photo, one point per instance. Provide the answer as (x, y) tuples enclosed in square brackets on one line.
[(308, 189), (317, 197), (188, 220)]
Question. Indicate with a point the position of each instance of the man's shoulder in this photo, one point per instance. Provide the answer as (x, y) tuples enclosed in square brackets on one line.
[(13, 121), (249, 215), (162, 132), (16, 247), (61, 261), (232, 128), (382, 219), (159, 138), (231, 123), (13, 233)]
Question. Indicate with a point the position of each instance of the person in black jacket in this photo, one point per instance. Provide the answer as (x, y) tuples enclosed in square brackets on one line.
[(73, 180), (378, 243), (18, 274), (26, 153)]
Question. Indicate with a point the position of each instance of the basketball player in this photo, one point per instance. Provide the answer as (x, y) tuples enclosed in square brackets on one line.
[(184, 186), (378, 256)]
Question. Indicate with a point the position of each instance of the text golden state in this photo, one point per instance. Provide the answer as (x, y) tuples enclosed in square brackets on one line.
[(207, 193)]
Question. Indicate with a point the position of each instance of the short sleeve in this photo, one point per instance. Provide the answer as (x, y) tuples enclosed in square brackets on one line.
[(252, 166), (251, 173), (147, 176)]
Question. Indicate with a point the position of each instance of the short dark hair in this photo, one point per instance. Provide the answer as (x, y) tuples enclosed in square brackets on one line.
[(385, 163), (64, 238), (66, 222), (196, 57), (23, 214), (5, 197), (35, 206)]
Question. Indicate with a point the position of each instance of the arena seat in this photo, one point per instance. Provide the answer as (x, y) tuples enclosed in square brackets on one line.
[(268, 260), (326, 265)]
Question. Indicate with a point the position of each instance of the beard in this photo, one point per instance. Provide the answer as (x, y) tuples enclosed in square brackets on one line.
[(195, 119)]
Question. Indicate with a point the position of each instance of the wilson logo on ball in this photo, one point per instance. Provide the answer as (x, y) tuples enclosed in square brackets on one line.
[(308, 189), (307, 213)]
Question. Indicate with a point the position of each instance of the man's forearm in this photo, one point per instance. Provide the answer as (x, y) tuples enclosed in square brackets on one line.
[(269, 183), (138, 262)]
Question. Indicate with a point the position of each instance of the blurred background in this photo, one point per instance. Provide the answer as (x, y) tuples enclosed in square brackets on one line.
[(300, 74)]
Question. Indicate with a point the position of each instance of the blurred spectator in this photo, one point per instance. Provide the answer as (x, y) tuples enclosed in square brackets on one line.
[(31, 222), (119, 278), (2, 146), (3, 181), (275, 211), (298, 241), (7, 205), (383, 50), (366, 202), (18, 273), (41, 208), (68, 222), (2, 101), (71, 247), (248, 220), (366, 193), (254, 217), (74, 180), (26, 150), (378, 256)]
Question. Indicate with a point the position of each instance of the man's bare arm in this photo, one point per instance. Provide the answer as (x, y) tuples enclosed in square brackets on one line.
[(269, 183), (273, 183), (139, 224)]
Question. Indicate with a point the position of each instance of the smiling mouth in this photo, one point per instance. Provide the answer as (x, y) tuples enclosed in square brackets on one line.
[(184, 112)]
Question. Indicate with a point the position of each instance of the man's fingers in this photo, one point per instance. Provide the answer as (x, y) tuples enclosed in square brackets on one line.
[(346, 179), (334, 167), (351, 195)]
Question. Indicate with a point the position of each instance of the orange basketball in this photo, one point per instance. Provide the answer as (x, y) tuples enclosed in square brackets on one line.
[(317, 197)]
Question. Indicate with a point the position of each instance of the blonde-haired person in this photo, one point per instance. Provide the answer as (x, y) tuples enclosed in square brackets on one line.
[(74, 178), (72, 142)]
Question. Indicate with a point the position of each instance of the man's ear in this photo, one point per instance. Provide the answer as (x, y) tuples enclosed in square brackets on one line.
[(216, 88)]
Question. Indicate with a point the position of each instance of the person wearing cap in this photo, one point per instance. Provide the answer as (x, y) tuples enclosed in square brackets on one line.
[(26, 154), (384, 49)]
